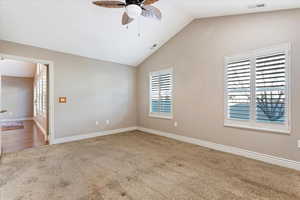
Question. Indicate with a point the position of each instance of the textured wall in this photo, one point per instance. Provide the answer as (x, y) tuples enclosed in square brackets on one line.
[(96, 91), (197, 56)]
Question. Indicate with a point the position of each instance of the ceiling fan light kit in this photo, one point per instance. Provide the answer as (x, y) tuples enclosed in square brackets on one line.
[(133, 9)]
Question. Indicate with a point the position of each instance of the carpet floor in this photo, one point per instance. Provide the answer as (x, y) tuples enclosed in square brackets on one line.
[(139, 166)]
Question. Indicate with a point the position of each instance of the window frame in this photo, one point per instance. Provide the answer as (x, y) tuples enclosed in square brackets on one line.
[(160, 114), (252, 123)]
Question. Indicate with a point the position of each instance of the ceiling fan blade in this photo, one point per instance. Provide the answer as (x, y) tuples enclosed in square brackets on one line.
[(149, 2), (126, 19), (151, 12), (110, 4)]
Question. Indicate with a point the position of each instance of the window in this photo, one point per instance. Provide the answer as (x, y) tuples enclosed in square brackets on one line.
[(257, 90), (40, 91), (44, 92), (161, 86)]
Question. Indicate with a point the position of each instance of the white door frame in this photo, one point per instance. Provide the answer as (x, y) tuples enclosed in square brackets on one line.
[(50, 86)]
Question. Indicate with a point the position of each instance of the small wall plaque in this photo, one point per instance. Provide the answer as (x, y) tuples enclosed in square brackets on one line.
[(62, 99)]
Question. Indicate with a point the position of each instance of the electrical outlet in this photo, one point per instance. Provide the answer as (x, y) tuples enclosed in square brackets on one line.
[(298, 143), (97, 123), (175, 124), (107, 122)]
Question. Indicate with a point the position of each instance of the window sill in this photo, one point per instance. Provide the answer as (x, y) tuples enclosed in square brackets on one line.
[(285, 130), (160, 116)]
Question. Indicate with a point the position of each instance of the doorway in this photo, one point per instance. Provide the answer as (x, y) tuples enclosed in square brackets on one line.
[(25, 102)]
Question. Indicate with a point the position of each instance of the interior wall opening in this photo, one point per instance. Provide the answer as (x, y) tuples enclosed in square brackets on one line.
[(24, 105)]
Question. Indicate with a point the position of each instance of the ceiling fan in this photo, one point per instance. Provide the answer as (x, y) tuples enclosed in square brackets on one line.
[(133, 9)]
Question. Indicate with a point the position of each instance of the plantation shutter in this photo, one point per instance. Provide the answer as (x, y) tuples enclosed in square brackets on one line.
[(271, 88), (155, 97), (40, 95), (238, 89), (45, 92), (161, 92), (40, 90), (165, 93), (257, 90)]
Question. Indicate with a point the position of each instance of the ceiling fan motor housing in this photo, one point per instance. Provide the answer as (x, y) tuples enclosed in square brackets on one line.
[(138, 2)]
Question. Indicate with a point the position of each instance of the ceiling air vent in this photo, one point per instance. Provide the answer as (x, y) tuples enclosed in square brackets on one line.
[(153, 46), (255, 6)]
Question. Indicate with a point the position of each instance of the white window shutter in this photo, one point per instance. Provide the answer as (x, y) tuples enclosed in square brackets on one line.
[(238, 89), (161, 87), (165, 83), (155, 94), (257, 90), (271, 88)]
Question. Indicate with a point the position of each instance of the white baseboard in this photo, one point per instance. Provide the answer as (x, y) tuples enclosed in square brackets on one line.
[(92, 135), (17, 119), (228, 149), (41, 128), (224, 148)]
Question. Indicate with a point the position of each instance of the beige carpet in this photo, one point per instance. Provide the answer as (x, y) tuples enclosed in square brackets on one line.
[(140, 166)]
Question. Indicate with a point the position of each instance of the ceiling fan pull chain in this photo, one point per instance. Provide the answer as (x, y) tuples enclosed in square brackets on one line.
[(139, 27)]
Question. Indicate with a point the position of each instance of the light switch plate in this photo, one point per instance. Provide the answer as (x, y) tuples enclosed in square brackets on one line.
[(298, 143), (62, 99)]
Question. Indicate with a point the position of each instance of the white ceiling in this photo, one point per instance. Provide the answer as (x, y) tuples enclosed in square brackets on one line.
[(211, 8), (17, 68), (78, 27)]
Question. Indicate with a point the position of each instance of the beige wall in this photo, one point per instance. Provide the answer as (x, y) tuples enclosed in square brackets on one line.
[(197, 56), (17, 97), (96, 91)]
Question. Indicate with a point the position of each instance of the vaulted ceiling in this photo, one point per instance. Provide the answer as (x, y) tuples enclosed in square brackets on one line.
[(78, 27)]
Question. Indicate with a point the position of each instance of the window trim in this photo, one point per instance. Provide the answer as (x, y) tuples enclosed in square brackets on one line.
[(159, 114), (252, 124)]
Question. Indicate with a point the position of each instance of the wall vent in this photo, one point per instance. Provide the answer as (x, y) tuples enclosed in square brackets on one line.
[(153, 46)]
